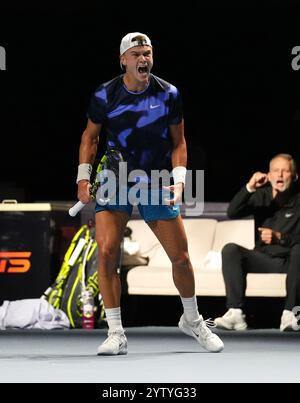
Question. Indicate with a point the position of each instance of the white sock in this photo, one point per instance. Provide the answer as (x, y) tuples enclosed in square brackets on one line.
[(237, 310), (190, 308), (113, 317)]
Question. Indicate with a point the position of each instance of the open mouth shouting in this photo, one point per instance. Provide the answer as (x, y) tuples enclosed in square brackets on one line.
[(281, 185), (143, 70)]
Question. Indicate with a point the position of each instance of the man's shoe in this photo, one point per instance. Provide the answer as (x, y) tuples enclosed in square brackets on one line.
[(288, 321), (115, 344), (200, 331), (234, 319)]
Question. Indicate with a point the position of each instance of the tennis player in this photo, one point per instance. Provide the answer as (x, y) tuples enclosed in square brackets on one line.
[(141, 115)]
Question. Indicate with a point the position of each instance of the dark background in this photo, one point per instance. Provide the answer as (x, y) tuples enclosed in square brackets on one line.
[(232, 65)]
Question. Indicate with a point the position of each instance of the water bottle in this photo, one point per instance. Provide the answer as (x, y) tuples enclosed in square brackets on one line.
[(87, 309)]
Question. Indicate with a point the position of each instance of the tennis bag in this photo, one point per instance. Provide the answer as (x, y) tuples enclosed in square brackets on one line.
[(78, 271)]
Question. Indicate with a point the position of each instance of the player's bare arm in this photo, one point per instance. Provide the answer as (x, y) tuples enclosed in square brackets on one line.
[(87, 155), (179, 151), (179, 161)]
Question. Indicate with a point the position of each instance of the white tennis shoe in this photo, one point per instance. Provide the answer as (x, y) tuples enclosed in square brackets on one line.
[(234, 319), (201, 332), (115, 344), (288, 321)]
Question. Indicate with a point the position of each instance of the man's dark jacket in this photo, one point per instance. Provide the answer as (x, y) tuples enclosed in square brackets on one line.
[(281, 214)]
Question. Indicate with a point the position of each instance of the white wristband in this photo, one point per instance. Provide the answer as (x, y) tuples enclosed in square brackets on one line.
[(84, 172), (179, 174)]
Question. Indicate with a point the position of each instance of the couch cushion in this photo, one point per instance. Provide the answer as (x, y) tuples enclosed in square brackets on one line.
[(156, 279), (200, 233), (151, 280), (211, 283), (145, 280), (266, 285), (149, 244), (237, 231)]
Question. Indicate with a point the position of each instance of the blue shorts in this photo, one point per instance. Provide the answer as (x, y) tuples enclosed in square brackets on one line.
[(148, 211)]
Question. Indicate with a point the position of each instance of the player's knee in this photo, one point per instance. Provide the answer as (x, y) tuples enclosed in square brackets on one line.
[(107, 251), (181, 261)]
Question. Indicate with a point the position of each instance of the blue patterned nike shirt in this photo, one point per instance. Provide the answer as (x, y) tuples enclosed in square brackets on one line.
[(137, 123)]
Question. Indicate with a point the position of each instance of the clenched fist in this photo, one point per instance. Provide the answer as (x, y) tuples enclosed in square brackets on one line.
[(268, 236), (257, 180)]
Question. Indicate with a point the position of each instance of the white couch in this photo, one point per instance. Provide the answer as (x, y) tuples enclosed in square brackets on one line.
[(206, 238)]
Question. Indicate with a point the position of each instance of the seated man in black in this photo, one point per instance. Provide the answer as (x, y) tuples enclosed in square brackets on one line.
[(275, 204)]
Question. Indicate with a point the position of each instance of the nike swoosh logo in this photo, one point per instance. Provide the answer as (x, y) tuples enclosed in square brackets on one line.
[(288, 215), (196, 334), (154, 106)]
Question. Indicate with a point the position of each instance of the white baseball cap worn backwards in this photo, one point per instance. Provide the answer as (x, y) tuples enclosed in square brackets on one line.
[(134, 39)]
